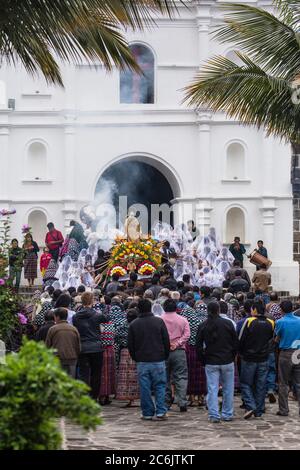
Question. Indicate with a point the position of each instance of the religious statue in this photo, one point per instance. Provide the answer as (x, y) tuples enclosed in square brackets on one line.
[(131, 266), (132, 228)]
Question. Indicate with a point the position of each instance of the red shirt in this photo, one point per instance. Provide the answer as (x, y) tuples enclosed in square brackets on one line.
[(54, 236), (45, 260)]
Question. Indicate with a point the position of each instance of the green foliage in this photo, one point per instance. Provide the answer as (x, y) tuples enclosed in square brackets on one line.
[(34, 393), (8, 312), (8, 299), (39, 32), (262, 87)]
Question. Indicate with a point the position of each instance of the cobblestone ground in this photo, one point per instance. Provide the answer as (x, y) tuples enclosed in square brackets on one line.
[(124, 430)]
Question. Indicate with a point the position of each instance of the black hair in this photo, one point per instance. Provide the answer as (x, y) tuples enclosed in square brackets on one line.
[(260, 241), (73, 223), (196, 289), (81, 289), (186, 278), (155, 280), (213, 310), (64, 300), (50, 225), (107, 300), (72, 290), (205, 291), (14, 240), (101, 253), (132, 314), (223, 307), (49, 315), (170, 305), (144, 306), (286, 306), (250, 295), (180, 285), (248, 305), (259, 306), (56, 293), (61, 313), (167, 244), (226, 284), (238, 272), (274, 296), (115, 277)]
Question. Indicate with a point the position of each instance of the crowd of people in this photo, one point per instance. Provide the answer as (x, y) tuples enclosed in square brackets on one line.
[(165, 340), (179, 344)]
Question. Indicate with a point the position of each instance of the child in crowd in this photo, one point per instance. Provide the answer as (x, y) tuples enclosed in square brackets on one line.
[(45, 260)]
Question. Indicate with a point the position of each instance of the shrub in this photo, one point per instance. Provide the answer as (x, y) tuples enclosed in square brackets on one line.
[(34, 393)]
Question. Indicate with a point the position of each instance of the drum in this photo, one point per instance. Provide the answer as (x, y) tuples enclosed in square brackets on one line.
[(258, 259)]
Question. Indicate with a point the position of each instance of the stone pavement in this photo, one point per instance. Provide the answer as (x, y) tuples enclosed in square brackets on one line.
[(124, 430)]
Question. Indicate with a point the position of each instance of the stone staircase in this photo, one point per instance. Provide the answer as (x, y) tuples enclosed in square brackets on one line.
[(26, 293)]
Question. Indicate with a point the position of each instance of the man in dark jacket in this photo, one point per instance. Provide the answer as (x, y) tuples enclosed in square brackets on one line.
[(216, 345), (230, 275), (149, 347), (42, 332), (238, 250), (255, 340), (239, 284), (88, 321), (64, 338)]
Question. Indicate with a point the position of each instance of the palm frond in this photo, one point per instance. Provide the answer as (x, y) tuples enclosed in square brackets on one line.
[(37, 32), (248, 94), (271, 42)]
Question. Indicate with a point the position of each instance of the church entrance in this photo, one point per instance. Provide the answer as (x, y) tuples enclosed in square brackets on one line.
[(139, 182)]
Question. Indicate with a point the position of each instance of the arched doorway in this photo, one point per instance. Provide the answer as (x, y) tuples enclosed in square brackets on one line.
[(143, 184), (37, 220)]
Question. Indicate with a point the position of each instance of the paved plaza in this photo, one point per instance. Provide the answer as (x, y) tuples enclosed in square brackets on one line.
[(124, 430)]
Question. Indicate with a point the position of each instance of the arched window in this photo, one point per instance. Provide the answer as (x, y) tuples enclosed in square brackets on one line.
[(134, 87), (36, 165), (235, 224), (235, 161), (37, 220)]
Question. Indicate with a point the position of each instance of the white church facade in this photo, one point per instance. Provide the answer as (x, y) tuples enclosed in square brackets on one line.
[(55, 144)]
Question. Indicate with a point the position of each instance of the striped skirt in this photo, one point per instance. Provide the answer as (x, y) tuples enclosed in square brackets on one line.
[(108, 373), (127, 381), (30, 266), (196, 373)]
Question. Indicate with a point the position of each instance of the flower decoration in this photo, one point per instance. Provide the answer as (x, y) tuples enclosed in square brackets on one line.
[(2, 282), (146, 269), (22, 319), (5, 212), (26, 229), (144, 250), (118, 270)]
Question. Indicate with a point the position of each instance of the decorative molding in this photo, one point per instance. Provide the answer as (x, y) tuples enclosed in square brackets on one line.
[(37, 181), (232, 180)]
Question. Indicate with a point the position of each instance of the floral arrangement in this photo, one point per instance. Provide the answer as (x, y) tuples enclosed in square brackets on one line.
[(5, 212), (143, 251), (26, 229), (146, 268), (9, 301), (117, 270)]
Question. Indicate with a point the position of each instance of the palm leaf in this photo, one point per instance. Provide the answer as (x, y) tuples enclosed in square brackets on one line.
[(38, 32), (248, 94), (271, 42)]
